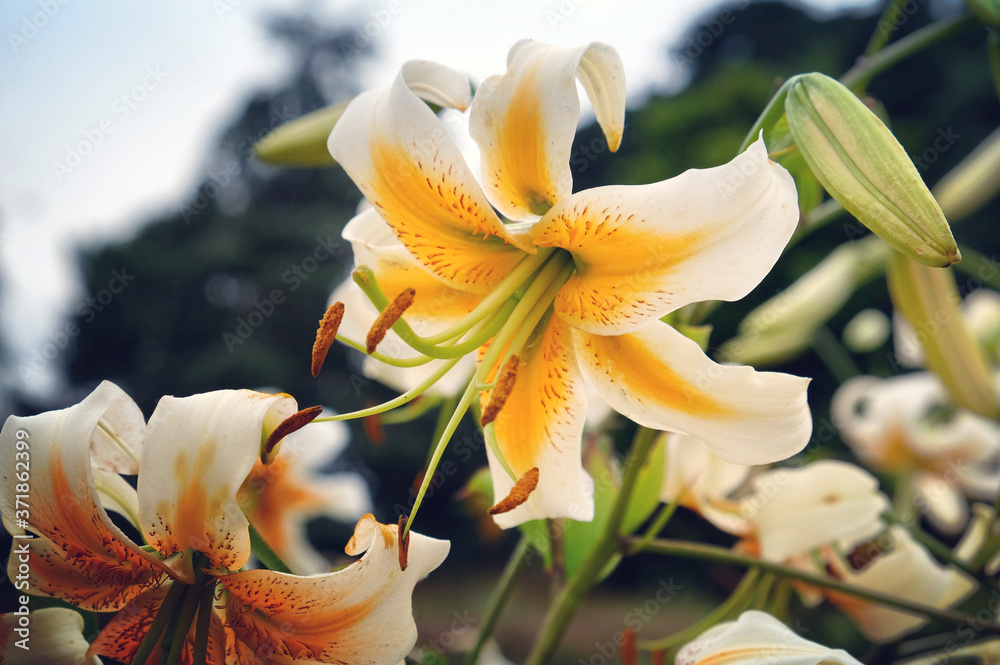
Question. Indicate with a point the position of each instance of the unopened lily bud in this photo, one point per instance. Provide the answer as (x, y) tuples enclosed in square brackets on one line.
[(867, 331), (301, 142), (929, 300), (863, 166), (973, 183), (784, 325)]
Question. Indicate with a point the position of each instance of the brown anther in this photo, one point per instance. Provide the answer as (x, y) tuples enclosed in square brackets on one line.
[(326, 335), (519, 493), (290, 424), (630, 653), (404, 542), (387, 318), (373, 429), (501, 390)]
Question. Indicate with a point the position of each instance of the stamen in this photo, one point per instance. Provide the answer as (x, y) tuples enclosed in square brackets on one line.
[(630, 653), (501, 390), (292, 423), (519, 493), (404, 541), (388, 317), (326, 335)]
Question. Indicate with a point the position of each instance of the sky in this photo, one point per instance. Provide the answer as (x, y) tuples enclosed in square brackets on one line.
[(109, 110)]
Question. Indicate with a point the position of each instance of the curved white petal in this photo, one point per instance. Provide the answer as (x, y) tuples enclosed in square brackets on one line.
[(199, 451), (359, 615), (524, 121), (796, 510), (757, 638), (53, 636), (643, 251), (661, 379), (942, 502), (437, 84), (400, 155), (49, 481), (907, 572)]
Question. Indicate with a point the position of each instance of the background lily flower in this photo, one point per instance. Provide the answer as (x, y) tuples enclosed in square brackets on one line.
[(600, 267), (56, 638), (757, 637), (194, 457), (702, 482), (901, 425), (281, 497), (906, 571), (794, 511)]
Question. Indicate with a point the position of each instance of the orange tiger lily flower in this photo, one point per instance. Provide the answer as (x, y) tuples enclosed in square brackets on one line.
[(191, 459), (588, 274)]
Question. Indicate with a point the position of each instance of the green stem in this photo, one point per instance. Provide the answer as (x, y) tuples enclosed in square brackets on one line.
[(834, 355), (771, 114), (993, 50), (263, 551), (977, 265), (666, 512), (867, 68), (569, 598), (202, 626), (721, 555), (178, 639), (412, 412), (738, 600), (887, 25), (499, 596), (163, 616)]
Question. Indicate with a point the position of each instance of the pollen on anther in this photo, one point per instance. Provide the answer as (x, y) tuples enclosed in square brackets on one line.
[(292, 423), (387, 318), (519, 493), (326, 335), (501, 390)]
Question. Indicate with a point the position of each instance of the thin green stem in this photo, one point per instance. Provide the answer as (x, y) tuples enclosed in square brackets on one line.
[(499, 597), (415, 361), (834, 355), (263, 551), (408, 396), (409, 413), (163, 616), (569, 598), (721, 555), (202, 625), (178, 638), (977, 265), (771, 114), (666, 512), (490, 434), (867, 68), (739, 599), (113, 435), (888, 22)]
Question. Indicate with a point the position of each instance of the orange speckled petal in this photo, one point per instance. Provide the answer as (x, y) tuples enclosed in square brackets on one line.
[(541, 425), (198, 452), (661, 379), (401, 157), (643, 251), (359, 615), (49, 482), (524, 121)]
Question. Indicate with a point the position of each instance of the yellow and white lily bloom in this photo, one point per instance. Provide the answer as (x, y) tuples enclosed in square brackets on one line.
[(192, 458), (892, 426), (754, 638), (572, 284), (54, 637)]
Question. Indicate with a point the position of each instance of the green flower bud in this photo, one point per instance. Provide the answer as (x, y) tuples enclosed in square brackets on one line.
[(862, 165), (301, 142), (929, 301)]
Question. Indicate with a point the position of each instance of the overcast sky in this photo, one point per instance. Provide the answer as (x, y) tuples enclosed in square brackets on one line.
[(109, 108)]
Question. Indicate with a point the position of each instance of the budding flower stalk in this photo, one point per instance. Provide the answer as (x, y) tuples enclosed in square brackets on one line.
[(863, 166)]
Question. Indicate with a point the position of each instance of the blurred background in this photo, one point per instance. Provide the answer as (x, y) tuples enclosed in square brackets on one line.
[(139, 237)]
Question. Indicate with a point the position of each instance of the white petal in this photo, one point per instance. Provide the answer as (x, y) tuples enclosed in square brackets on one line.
[(54, 637), (437, 84)]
